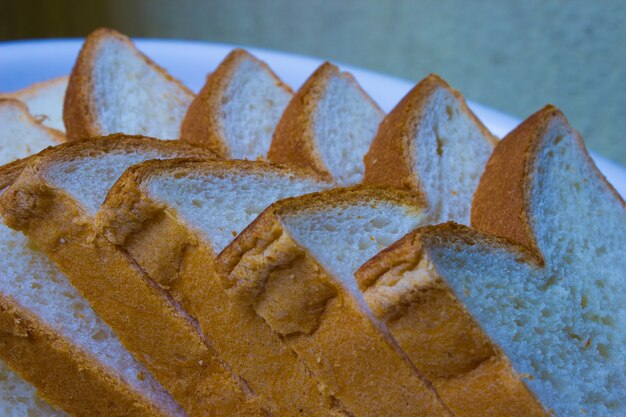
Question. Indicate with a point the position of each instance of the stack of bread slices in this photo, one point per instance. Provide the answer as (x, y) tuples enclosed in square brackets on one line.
[(251, 251)]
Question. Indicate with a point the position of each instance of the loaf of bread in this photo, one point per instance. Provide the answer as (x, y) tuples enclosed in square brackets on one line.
[(246, 288)]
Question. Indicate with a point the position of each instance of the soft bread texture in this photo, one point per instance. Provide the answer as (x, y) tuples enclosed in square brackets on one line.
[(327, 127), (546, 294), (174, 217), (404, 288), (432, 144), (51, 205), (21, 134), (293, 266), (114, 88), (53, 339), (236, 112), (44, 100), (44, 320), (541, 189)]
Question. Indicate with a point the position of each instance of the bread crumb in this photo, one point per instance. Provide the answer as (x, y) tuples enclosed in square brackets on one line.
[(140, 376), (234, 233)]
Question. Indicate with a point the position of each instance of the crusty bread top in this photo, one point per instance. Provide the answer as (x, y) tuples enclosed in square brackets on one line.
[(129, 202), (204, 122), (503, 199), (295, 140), (321, 201), (412, 149), (44, 100), (53, 168), (82, 112)]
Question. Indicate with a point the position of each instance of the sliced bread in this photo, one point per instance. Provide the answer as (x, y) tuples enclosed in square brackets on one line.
[(44, 100), (327, 127), (52, 338), (549, 294), (236, 112), (432, 144), (21, 134), (173, 218), (54, 202), (294, 267), (114, 88)]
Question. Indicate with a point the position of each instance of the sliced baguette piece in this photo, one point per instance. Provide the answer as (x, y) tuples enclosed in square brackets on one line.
[(327, 127), (21, 134), (50, 337), (174, 217), (237, 110), (44, 100), (553, 301), (432, 144), (54, 202), (293, 266), (114, 88)]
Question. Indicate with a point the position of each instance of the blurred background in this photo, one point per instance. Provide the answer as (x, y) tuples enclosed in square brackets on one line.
[(515, 56)]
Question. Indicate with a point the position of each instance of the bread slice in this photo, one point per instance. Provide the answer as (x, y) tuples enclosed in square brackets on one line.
[(432, 144), (551, 301), (114, 88), (50, 337), (44, 100), (21, 134), (173, 218), (54, 202), (236, 112), (294, 267), (327, 127)]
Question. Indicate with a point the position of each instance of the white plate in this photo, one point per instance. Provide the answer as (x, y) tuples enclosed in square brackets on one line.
[(25, 62)]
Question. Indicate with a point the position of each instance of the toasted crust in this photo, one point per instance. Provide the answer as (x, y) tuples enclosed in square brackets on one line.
[(501, 204), (389, 160), (436, 331), (203, 123), (320, 320), (294, 139), (79, 112), (64, 375), (57, 135), (180, 260), (148, 322)]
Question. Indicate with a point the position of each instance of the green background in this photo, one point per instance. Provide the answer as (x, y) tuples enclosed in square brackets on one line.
[(515, 56)]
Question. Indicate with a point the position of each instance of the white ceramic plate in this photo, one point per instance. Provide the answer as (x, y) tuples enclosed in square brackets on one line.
[(25, 62)]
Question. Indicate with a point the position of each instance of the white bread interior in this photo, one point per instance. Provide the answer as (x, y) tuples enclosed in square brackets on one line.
[(252, 105), (344, 124), (44, 100)]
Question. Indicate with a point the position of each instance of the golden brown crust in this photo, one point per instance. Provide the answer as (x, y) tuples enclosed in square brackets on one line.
[(390, 159), (294, 139), (182, 262), (56, 135), (322, 322), (202, 124), (63, 374), (128, 208), (472, 375), (501, 203), (79, 112), (148, 322)]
